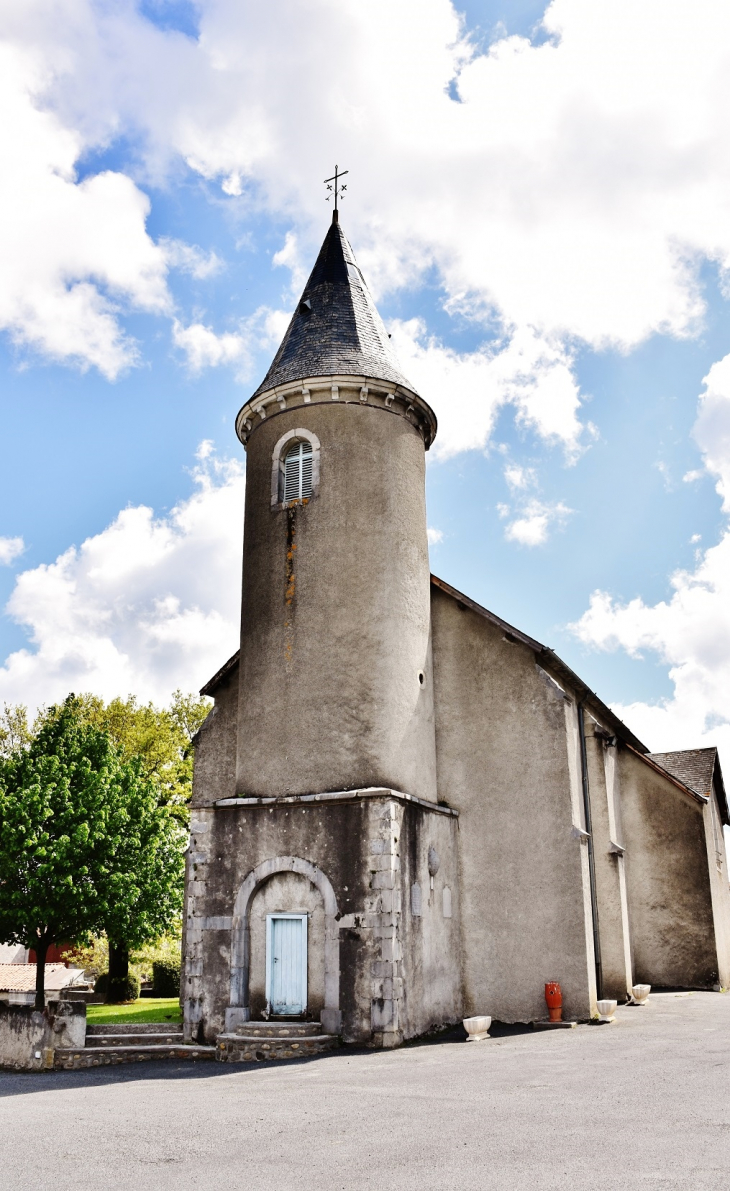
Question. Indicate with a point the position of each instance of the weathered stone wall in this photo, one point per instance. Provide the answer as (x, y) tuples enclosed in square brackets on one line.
[(226, 845), (399, 971), (503, 762), (294, 894), (28, 1038), (335, 681), (668, 880)]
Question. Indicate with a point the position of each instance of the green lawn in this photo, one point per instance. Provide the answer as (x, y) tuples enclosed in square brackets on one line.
[(146, 1009)]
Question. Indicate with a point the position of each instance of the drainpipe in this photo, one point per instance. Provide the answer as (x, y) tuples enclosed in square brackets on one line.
[(591, 858)]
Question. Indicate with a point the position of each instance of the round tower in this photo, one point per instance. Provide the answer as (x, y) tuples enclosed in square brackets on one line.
[(335, 669)]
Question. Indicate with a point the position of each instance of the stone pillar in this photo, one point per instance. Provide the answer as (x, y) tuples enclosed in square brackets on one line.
[(608, 851), (192, 984), (383, 916)]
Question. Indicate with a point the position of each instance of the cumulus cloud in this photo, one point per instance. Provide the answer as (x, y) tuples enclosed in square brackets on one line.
[(73, 252), (434, 536), (534, 522), (147, 605), (690, 631), (570, 194), (468, 389), (205, 348), (10, 548)]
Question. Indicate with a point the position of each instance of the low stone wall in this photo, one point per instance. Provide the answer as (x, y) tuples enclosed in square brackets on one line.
[(28, 1038)]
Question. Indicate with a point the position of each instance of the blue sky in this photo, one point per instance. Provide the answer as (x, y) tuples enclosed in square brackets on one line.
[(467, 245)]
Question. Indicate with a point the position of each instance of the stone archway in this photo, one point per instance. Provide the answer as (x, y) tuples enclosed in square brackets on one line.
[(238, 1010)]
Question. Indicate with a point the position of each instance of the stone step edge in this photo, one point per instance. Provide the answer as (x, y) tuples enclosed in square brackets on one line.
[(260, 1039), (187, 1047), (151, 1037), (130, 1027)]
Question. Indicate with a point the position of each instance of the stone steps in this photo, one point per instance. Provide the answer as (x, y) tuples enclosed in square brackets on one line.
[(68, 1059), (280, 1029), (257, 1041), (129, 1042)]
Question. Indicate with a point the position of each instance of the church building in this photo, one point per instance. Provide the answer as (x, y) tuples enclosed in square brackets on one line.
[(405, 810)]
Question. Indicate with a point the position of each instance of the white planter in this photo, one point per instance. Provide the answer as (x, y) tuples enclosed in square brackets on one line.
[(606, 1009), (477, 1028), (640, 993)]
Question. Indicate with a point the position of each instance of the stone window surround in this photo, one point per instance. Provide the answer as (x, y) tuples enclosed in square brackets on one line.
[(347, 390), (286, 440), (238, 1010)]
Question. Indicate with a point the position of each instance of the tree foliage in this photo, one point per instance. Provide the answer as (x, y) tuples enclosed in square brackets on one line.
[(160, 737), (86, 842)]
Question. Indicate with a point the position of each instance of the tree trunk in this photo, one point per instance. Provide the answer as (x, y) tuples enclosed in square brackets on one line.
[(118, 964), (41, 950)]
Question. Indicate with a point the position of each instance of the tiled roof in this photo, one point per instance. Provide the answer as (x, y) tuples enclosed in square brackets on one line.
[(336, 329), (694, 767), (21, 977)]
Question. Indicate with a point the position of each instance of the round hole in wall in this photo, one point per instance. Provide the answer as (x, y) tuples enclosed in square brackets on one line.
[(421, 677)]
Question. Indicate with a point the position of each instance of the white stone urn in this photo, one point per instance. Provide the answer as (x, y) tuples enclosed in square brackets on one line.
[(477, 1028), (606, 1010), (640, 993)]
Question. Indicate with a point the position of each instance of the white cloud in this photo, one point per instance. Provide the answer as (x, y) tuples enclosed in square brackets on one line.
[(532, 526), (73, 252), (434, 536), (468, 389), (519, 478), (10, 548), (190, 259), (690, 631), (206, 348), (572, 193), (145, 606)]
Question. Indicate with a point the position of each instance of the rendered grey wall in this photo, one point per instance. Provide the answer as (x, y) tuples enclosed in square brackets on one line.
[(670, 906), (335, 613), (718, 869), (503, 763), (613, 922), (430, 942), (214, 774)]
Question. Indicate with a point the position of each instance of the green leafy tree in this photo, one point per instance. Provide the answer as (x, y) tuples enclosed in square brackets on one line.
[(14, 731), (161, 740), (85, 844)]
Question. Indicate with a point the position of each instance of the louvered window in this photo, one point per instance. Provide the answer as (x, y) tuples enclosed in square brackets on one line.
[(298, 472)]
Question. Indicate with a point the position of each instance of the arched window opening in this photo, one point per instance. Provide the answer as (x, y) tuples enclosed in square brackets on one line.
[(297, 472)]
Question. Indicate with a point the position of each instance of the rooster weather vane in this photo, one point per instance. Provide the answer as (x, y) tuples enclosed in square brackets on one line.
[(338, 189)]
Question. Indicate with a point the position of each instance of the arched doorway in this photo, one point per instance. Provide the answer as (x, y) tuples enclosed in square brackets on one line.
[(239, 1009)]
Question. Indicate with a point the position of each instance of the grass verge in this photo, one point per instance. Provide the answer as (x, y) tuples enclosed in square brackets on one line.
[(165, 1009)]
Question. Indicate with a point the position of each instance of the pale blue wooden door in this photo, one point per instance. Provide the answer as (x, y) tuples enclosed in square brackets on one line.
[(287, 963)]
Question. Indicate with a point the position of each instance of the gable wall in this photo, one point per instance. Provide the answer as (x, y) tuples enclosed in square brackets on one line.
[(668, 881), (503, 762)]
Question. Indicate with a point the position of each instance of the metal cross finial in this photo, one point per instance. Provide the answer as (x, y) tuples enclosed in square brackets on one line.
[(337, 189)]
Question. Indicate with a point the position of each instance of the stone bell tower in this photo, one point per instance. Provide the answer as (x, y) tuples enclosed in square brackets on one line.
[(335, 679)]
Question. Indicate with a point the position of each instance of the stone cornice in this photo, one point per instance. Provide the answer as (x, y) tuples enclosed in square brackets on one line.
[(340, 796), (346, 390)]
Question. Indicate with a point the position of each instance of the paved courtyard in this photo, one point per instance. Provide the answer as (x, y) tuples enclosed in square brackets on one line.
[(643, 1103)]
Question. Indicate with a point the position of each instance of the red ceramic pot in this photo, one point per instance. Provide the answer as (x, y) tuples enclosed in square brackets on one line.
[(554, 1000)]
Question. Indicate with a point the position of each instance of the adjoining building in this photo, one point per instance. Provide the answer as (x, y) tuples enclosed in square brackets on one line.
[(406, 810)]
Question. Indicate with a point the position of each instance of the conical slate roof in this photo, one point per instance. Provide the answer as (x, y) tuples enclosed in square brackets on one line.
[(336, 329)]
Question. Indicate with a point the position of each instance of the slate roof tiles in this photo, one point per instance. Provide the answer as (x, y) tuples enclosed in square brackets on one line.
[(336, 329)]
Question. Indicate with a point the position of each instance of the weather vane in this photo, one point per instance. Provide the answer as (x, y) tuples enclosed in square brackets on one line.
[(337, 189)]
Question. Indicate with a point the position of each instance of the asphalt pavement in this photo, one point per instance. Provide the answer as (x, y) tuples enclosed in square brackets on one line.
[(641, 1103)]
